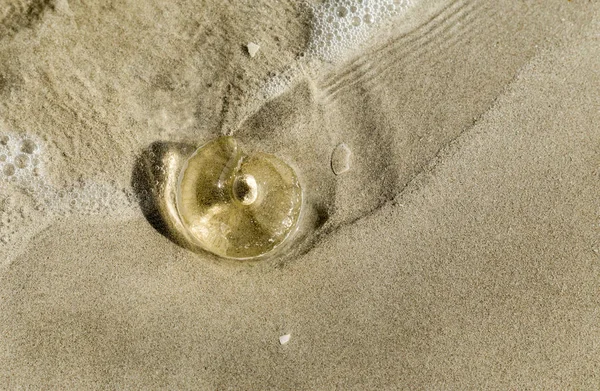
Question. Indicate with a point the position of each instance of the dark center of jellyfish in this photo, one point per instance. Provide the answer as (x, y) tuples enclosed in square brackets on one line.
[(245, 189)]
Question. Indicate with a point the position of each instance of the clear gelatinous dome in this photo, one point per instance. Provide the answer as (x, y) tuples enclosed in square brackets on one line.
[(236, 205)]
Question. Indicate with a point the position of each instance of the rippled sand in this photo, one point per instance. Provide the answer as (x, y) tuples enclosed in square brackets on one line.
[(461, 250)]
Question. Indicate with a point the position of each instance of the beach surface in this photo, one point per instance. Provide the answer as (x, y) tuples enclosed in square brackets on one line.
[(460, 250)]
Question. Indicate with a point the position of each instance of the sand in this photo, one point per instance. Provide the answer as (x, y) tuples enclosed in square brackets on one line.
[(461, 250)]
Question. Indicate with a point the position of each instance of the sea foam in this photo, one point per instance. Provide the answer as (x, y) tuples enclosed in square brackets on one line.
[(29, 201), (339, 29)]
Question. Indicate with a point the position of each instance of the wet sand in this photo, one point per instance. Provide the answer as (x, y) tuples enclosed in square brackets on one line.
[(460, 251)]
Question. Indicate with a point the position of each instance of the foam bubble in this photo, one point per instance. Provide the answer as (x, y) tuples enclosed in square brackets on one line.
[(340, 27)]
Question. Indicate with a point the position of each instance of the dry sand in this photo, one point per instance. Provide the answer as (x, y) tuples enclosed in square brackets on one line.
[(460, 251)]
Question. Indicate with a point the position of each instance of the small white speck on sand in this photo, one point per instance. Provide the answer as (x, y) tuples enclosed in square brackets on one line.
[(252, 49), (285, 339)]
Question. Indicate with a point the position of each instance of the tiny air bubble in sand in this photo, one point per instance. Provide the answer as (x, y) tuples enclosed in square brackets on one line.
[(285, 339)]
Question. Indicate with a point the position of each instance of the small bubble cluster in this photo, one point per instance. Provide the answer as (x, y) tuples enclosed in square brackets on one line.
[(340, 26), (19, 158), (29, 202)]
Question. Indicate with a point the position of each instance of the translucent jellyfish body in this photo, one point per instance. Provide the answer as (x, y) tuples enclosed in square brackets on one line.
[(236, 205)]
